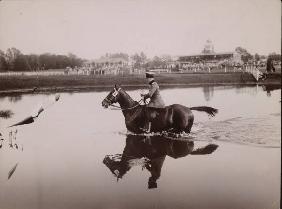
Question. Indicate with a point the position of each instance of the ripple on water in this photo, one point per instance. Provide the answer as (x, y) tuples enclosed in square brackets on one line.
[(261, 131)]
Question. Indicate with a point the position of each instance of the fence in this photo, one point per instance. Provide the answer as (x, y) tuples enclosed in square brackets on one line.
[(37, 73), (253, 70)]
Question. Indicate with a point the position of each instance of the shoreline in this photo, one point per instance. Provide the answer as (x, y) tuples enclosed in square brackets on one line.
[(66, 83), (73, 89)]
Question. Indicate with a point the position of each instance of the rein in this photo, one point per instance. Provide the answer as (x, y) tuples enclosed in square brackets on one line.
[(129, 108)]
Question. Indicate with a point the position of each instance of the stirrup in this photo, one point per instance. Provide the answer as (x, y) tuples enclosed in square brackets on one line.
[(145, 130)]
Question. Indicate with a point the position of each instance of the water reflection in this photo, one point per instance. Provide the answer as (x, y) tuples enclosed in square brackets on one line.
[(9, 146), (150, 153), (11, 142), (15, 98), (270, 87), (239, 89), (208, 92), (6, 114)]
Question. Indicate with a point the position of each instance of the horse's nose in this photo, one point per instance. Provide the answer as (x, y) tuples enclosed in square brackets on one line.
[(104, 104)]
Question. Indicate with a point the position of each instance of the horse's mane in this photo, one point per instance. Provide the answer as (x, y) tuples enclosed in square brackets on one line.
[(128, 97)]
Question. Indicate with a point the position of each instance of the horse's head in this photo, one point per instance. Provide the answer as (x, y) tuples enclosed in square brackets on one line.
[(112, 97), (117, 165)]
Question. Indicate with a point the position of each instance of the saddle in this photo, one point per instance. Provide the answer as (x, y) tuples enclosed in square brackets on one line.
[(152, 112)]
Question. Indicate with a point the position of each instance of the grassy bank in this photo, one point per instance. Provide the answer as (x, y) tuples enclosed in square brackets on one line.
[(73, 82)]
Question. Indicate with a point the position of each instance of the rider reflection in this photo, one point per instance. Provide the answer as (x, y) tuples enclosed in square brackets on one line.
[(150, 153), (155, 167)]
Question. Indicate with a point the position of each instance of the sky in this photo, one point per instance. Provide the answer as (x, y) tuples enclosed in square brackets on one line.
[(90, 29)]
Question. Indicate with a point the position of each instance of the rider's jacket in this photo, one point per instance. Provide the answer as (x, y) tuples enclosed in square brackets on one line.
[(269, 65), (154, 95)]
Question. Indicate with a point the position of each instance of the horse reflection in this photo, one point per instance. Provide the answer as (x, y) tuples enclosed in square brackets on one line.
[(270, 87), (150, 153)]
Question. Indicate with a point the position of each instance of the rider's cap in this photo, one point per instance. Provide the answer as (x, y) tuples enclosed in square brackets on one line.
[(150, 75)]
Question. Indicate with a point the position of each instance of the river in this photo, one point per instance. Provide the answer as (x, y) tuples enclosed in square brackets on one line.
[(79, 155)]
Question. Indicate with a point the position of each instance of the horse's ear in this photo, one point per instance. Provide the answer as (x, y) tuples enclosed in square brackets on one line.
[(117, 86)]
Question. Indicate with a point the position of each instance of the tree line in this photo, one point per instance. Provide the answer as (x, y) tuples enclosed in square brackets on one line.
[(140, 60), (14, 60), (246, 56)]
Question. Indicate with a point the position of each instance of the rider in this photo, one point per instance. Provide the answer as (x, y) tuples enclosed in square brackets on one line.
[(269, 65), (156, 100)]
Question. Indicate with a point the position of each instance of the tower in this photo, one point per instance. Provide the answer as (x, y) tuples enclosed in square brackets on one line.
[(208, 48)]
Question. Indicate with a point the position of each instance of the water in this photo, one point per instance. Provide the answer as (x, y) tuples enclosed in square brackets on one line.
[(78, 155)]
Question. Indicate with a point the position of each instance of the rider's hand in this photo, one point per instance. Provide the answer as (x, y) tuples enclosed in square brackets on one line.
[(145, 96)]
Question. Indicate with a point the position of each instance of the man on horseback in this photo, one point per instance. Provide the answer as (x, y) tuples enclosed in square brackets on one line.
[(157, 117), (156, 100)]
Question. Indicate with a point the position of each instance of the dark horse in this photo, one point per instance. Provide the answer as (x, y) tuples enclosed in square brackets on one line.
[(174, 118), (150, 153)]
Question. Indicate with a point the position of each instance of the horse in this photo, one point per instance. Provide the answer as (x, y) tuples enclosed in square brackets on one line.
[(150, 153), (174, 118)]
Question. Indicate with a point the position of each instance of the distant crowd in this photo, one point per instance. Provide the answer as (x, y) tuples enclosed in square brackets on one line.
[(268, 66)]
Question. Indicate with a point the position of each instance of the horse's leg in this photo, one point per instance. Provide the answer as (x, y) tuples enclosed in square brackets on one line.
[(190, 123), (183, 119)]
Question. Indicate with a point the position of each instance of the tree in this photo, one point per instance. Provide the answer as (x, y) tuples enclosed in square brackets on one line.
[(3, 62), (33, 62), (245, 55), (139, 60), (21, 63), (156, 62), (256, 57), (45, 61), (166, 58), (120, 55), (14, 60), (11, 55), (274, 56), (136, 60), (143, 58), (74, 60)]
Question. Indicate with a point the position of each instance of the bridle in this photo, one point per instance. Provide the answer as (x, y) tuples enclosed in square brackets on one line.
[(113, 97), (113, 100)]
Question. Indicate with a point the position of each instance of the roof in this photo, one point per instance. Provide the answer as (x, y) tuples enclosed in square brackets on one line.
[(110, 60), (207, 54)]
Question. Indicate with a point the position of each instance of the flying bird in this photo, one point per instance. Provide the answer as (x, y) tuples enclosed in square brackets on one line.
[(12, 171), (35, 115)]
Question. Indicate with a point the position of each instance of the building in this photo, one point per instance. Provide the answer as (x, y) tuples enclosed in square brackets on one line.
[(108, 65), (209, 58), (109, 62)]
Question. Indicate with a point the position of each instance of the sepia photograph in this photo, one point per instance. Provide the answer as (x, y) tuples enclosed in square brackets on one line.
[(139, 104)]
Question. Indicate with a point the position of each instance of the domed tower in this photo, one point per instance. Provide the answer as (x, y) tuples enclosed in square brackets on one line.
[(208, 48)]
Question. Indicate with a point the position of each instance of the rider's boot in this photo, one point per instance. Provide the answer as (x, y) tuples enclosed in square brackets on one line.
[(147, 123), (149, 127)]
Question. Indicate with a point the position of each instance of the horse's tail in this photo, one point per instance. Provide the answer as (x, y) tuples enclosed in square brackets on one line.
[(205, 150), (209, 110)]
